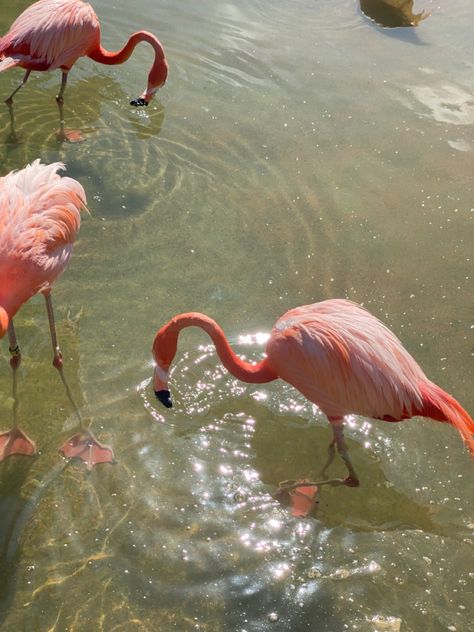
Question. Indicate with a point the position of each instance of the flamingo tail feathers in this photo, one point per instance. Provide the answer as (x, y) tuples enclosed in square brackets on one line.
[(439, 405)]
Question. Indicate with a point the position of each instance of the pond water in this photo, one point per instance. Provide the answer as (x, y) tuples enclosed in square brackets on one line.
[(299, 151)]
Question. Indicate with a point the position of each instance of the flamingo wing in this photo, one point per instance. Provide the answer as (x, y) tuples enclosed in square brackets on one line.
[(346, 361), (50, 34)]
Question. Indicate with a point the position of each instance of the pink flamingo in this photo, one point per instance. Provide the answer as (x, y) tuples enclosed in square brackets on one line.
[(337, 355), (39, 221), (53, 34)]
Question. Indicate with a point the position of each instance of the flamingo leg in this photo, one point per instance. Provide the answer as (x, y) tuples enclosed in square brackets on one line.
[(15, 441), (83, 445), (14, 349), (12, 138), (58, 357), (9, 100), (338, 429), (63, 134), (331, 455), (338, 441), (59, 96)]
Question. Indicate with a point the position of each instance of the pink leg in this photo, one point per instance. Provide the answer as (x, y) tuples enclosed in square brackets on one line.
[(15, 441), (63, 134), (82, 445), (337, 425), (58, 358)]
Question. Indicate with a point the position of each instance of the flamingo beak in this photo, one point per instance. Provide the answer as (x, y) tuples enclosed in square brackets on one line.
[(164, 396), (160, 386), (139, 101), (147, 96)]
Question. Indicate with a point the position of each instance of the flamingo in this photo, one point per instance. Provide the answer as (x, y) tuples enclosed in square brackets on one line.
[(40, 215), (338, 356), (53, 34)]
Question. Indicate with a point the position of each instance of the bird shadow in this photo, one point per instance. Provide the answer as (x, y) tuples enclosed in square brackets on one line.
[(22, 485), (20, 498), (300, 452)]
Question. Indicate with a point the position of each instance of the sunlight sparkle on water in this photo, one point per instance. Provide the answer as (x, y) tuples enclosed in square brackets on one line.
[(303, 528), (281, 570), (274, 524), (250, 475), (264, 191), (226, 470), (259, 338)]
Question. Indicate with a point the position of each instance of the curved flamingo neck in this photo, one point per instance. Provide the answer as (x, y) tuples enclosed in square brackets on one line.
[(158, 72), (166, 342), (104, 56)]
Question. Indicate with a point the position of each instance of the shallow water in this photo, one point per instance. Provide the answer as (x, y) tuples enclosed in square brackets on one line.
[(298, 152)]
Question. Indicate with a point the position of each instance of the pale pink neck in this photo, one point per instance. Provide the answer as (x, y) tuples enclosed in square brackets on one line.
[(166, 341), (107, 57)]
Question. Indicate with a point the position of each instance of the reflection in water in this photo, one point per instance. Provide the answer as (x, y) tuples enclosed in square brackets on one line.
[(447, 102), (33, 117), (24, 482), (392, 13), (95, 104)]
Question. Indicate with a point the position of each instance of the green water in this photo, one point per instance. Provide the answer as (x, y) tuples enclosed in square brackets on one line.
[(298, 152)]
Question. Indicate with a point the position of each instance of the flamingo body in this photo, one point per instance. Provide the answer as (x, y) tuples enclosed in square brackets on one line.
[(345, 361), (53, 34), (50, 34), (39, 220), (40, 216), (340, 357)]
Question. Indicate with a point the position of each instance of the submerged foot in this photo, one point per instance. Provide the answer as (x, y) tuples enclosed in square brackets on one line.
[(15, 441), (352, 481), (69, 135), (301, 495), (85, 446)]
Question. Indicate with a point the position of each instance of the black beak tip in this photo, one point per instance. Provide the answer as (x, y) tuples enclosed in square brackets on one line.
[(138, 102), (165, 398)]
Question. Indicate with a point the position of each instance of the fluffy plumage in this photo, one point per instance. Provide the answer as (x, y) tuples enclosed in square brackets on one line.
[(345, 360), (51, 34), (40, 215)]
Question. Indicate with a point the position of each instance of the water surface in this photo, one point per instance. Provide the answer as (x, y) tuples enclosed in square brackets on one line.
[(298, 152)]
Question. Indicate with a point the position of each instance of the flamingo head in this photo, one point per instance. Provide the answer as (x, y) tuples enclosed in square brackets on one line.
[(164, 350), (156, 80), (4, 320), (160, 386)]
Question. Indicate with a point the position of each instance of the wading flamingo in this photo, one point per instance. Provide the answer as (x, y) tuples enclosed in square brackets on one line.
[(337, 355), (53, 34), (39, 220)]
